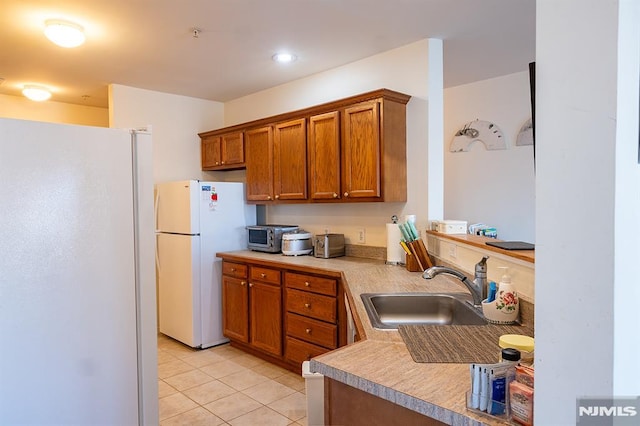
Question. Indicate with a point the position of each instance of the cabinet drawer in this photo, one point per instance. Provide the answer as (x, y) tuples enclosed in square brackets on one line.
[(313, 331), (237, 270), (265, 275), (309, 283), (298, 351), (311, 305)]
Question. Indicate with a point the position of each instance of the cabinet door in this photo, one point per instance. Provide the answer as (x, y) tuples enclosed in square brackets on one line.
[(361, 151), (232, 149), (259, 161), (290, 160), (324, 156), (266, 317), (210, 151), (235, 308)]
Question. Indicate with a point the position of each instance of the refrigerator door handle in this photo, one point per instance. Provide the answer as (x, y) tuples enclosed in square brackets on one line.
[(155, 211), (157, 254)]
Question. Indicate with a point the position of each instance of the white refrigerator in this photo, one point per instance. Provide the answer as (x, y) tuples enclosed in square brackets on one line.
[(78, 338), (194, 221)]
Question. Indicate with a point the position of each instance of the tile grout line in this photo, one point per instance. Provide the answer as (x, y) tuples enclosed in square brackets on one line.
[(173, 351)]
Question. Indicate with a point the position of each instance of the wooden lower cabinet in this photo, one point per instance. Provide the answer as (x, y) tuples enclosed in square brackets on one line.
[(346, 405), (315, 316), (265, 302), (252, 306), (235, 296), (286, 327)]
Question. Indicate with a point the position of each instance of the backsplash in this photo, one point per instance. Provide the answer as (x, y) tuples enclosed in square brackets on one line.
[(367, 252)]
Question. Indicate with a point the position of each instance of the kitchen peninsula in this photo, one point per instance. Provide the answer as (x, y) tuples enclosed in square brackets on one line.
[(379, 364)]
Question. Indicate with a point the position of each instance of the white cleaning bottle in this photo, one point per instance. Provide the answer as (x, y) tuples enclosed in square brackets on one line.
[(507, 298)]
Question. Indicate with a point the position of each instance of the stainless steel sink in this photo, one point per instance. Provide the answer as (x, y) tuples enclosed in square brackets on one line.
[(388, 310)]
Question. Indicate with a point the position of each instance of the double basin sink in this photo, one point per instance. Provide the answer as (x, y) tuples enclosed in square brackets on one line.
[(389, 310)]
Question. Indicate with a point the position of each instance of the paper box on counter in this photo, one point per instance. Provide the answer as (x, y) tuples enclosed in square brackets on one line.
[(451, 226)]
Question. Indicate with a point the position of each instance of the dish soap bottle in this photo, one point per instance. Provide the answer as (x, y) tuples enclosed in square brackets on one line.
[(507, 298)]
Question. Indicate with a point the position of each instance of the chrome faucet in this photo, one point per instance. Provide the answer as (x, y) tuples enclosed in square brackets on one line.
[(478, 287)]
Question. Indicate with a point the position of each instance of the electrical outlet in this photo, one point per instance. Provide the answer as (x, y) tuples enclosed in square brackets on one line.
[(453, 251), (362, 236)]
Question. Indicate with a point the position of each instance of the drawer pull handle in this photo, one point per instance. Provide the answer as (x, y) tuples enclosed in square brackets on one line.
[(306, 284), (307, 305), (308, 331), (263, 275)]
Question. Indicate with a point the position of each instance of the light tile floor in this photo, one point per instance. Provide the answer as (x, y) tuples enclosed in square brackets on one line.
[(225, 386)]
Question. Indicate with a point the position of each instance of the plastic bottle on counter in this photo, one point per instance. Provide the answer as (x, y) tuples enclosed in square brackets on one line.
[(507, 297)]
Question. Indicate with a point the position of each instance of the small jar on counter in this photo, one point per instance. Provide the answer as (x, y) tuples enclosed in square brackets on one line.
[(521, 343), (510, 355)]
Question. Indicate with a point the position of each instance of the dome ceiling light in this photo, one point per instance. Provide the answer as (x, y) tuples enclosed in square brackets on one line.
[(284, 57), (64, 33), (36, 93)]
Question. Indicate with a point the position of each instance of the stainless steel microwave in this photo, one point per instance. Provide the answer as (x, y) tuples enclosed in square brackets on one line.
[(267, 238)]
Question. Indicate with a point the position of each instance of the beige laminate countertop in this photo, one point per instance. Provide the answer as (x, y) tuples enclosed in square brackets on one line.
[(380, 363)]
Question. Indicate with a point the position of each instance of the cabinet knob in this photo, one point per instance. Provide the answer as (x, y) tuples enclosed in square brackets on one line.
[(307, 305), (222, 162), (277, 197), (346, 194), (250, 284), (335, 195), (217, 163), (308, 331), (263, 275), (233, 269), (243, 282), (306, 284), (268, 197)]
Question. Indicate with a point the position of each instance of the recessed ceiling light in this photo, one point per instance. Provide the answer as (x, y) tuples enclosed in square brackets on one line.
[(36, 93), (284, 57), (64, 33)]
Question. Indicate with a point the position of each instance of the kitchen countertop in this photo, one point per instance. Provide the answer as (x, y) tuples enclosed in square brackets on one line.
[(380, 363)]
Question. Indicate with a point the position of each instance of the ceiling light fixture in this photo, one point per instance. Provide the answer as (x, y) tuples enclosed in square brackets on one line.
[(64, 33), (284, 57), (36, 93)]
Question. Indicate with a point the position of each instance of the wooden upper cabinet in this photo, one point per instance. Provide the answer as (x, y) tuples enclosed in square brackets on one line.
[(324, 156), (349, 150), (361, 156), (211, 152), (223, 152), (290, 160), (232, 149), (259, 161)]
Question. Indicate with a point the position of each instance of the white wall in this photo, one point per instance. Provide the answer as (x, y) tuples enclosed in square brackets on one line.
[(588, 178), (52, 112), (175, 120), (405, 70), (626, 373), (492, 187)]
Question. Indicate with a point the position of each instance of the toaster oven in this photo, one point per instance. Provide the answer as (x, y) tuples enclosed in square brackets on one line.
[(267, 238)]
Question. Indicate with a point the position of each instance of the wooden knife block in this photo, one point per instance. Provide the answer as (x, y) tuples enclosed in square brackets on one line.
[(412, 264)]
